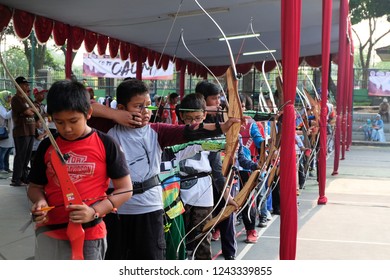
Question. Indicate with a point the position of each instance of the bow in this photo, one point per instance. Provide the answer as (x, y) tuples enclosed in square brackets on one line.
[(75, 232), (70, 194)]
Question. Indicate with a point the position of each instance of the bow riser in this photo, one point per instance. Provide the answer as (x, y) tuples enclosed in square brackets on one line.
[(71, 196)]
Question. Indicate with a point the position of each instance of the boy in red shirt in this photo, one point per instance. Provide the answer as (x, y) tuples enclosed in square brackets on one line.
[(93, 159)]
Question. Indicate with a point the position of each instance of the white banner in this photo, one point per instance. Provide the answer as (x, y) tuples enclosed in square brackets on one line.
[(379, 83), (107, 67)]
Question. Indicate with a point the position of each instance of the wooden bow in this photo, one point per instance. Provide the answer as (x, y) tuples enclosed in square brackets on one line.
[(71, 196)]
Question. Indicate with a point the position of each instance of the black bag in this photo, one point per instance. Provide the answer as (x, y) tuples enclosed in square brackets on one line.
[(3, 133)]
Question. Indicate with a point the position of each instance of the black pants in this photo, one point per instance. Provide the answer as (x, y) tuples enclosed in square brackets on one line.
[(23, 149), (135, 237), (249, 212), (227, 229)]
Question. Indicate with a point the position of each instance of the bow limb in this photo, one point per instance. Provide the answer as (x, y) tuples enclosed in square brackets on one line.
[(274, 109), (313, 86), (71, 196), (240, 199), (205, 66), (235, 111)]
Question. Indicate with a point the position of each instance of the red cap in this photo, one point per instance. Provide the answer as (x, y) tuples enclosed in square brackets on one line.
[(39, 90)]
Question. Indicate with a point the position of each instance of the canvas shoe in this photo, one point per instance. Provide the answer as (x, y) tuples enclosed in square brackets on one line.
[(263, 222), (215, 235), (251, 236)]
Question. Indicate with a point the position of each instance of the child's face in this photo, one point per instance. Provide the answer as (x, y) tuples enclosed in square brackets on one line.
[(193, 117), (138, 104), (213, 100), (71, 124)]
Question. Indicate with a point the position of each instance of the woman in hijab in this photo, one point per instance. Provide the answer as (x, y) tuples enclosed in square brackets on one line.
[(6, 145), (377, 129)]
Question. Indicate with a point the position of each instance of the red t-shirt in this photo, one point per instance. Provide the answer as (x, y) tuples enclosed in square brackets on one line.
[(93, 160)]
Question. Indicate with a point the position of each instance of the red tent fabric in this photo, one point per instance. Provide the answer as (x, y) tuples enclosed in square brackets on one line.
[(5, 16), (78, 35), (113, 47), (102, 42), (124, 50), (269, 65), (23, 23), (326, 30), (90, 41), (314, 60), (291, 19), (43, 28), (60, 33)]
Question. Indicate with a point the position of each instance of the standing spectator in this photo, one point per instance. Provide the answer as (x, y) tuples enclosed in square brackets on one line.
[(114, 103), (91, 93), (23, 133), (6, 145), (85, 82), (169, 114), (384, 108), (39, 96), (40, 134)]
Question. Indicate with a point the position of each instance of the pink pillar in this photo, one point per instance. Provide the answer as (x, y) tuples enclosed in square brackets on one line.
[(291, 20), (326, 30)]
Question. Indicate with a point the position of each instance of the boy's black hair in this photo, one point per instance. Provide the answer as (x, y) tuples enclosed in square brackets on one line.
[(194, 101), (128, 89), (172, 96), (207, 89), (68, 95)]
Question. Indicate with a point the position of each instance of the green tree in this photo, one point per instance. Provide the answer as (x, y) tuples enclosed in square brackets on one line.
[(371, 11), (16, 60), (42, 56)]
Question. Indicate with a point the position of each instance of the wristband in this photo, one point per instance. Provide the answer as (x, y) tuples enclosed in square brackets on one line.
[(96, 215)]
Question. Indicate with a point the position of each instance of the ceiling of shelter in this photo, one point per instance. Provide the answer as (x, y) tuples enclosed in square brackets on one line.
[(152, 24)]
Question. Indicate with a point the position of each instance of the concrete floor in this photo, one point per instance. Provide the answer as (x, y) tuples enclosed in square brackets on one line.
[(353, 225)]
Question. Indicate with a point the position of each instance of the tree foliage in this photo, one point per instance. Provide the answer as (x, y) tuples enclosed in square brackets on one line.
[(16, 60), (367, 9), (370, 11), (42, 57)]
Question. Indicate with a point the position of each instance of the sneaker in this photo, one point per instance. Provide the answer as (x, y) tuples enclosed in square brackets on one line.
[(18, 184), (215, 235), (263, 222), (269, 216), (251, 236), (230, 258)]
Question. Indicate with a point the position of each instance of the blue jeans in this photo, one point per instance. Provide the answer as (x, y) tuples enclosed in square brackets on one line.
[(4, 158)]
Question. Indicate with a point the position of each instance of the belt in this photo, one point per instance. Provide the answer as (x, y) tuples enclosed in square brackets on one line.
[(194, 176), (64, 225), (141, 187)]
